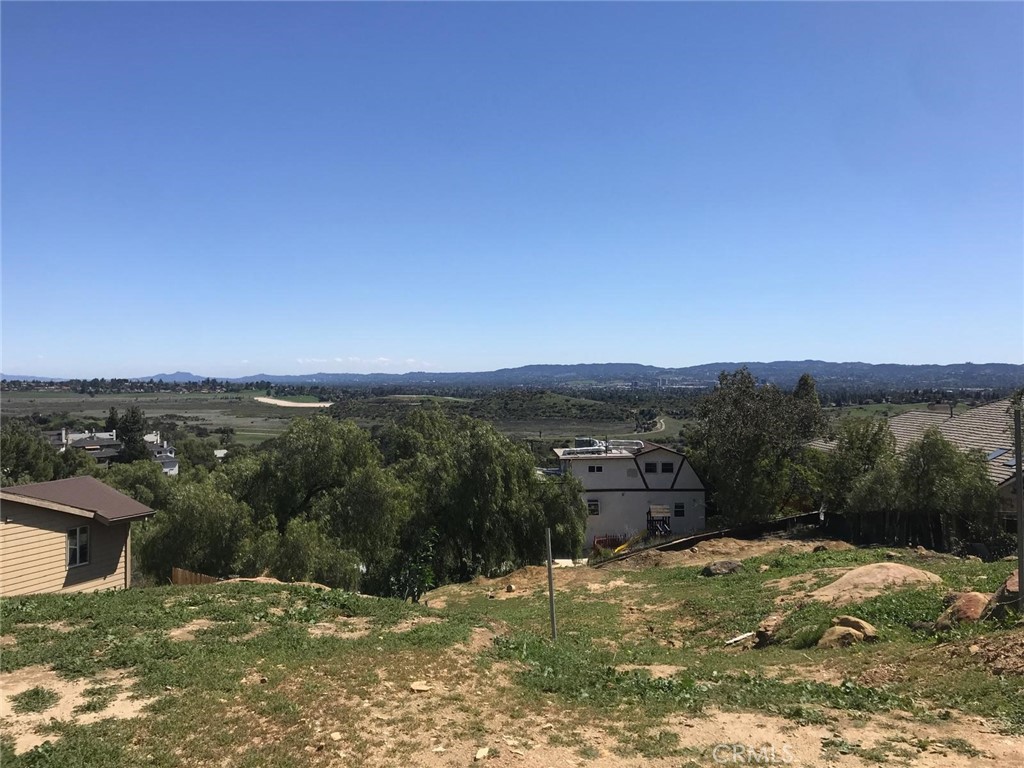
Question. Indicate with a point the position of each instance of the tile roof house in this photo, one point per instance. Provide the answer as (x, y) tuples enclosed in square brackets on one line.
[(987, 429), (70, 535)]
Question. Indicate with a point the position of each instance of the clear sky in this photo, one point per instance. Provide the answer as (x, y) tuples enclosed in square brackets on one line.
[(296, 187)]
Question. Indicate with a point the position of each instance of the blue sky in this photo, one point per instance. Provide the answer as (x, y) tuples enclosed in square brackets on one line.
[(281, 187)]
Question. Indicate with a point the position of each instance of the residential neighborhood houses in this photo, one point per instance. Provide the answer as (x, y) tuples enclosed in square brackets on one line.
[(986, 428), (105, 446), (71, 535), (633, 487)]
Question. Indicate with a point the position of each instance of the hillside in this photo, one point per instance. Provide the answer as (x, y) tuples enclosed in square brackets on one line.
[(260, 674), (852, 375)]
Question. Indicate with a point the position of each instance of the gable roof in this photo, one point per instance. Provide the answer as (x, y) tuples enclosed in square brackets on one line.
[(649, 446), (85, 496)]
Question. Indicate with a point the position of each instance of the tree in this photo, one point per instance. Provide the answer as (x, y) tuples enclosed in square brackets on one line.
[(749, 444), (861, 443), (131, 431), (25, 455), (112, 420), (197, 453), (933, 494), (202, 529), (313, 456), (72, 462), (478, 503), (144, 481)]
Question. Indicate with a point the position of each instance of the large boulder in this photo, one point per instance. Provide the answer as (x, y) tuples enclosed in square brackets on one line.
[(721, 568), (872, 580), (852, 622), (965, 607), (839, 637), (1005, 598)]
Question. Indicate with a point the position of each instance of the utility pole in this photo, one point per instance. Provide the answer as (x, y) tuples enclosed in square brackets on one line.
[(551, 590), (1018, 492)]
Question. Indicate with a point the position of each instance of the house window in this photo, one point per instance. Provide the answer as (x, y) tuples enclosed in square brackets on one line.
[(595, 468), (679, 510), (651, 468), (667, 467), (593, 507), (78, 546)]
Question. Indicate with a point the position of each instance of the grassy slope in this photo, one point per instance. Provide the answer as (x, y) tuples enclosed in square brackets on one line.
[(208, 705)]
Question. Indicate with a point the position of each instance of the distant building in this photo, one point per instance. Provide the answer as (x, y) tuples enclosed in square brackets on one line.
[(69, 535), (105, 447), (632, 486)]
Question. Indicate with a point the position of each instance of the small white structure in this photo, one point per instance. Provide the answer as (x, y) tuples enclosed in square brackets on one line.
[(629, 485)]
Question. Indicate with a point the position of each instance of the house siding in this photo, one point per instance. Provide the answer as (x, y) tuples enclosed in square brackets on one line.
[(625, 492), (33, 552)]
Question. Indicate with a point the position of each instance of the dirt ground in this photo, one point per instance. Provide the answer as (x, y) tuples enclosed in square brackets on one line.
[(608, 577), (450, 734), (290, 404), (24, 727)]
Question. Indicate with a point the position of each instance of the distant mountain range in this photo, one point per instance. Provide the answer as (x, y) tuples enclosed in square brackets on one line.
[(782, 372)]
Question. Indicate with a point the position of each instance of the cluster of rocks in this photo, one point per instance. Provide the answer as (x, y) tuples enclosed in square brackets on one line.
[(961, 607)]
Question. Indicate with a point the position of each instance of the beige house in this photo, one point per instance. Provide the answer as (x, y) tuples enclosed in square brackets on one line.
[(69, 535)]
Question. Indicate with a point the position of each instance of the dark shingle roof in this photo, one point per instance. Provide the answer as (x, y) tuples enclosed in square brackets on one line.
[(86, 494)]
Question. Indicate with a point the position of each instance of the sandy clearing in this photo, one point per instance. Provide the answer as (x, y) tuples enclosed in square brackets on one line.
[(290, 404), (22, 727), (187, 632)]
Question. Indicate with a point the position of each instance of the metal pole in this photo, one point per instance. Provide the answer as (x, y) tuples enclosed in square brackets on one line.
[(551, 590), (1019, 500)]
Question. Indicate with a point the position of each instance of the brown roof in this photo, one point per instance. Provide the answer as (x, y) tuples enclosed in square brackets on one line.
[(82, 494)]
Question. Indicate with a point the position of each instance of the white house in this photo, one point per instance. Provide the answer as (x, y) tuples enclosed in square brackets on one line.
[(631, 486)]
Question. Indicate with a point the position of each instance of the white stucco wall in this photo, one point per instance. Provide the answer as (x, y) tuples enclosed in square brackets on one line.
[(624, 513)]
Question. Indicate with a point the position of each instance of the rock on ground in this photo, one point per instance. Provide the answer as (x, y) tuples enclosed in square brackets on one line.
[(966, 607), (839, 637), (721, 568), (867, 630), (872, 580), (1005, 598), (767, 630)]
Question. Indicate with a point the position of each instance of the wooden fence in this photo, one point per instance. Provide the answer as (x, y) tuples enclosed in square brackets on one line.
[(181, 576)]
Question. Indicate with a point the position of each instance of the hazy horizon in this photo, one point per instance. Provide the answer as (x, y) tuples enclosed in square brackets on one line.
[(170, 371), (240, 187)]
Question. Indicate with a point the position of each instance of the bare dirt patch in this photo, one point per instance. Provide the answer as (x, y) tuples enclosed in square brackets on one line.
[(289, 403), (8, 640), (187, 632), (347, 628), (53, 626), (410, 624), (657, 671), (606, 586), (872, 580), (1001, 654), (22, 727), (723, 548)]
